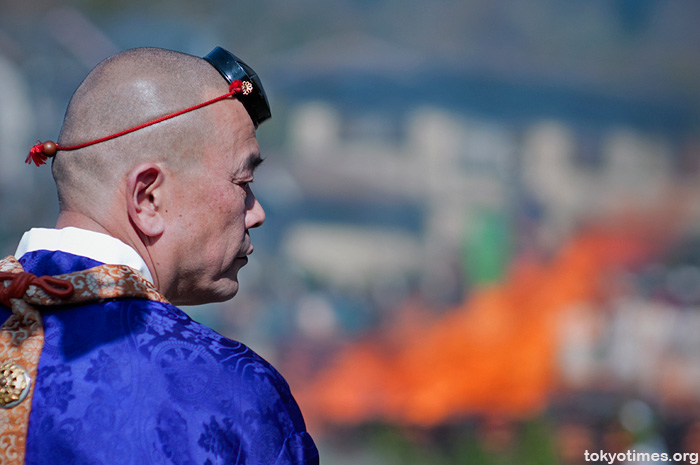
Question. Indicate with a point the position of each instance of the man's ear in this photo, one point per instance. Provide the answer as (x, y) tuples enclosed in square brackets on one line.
[(145, 197)]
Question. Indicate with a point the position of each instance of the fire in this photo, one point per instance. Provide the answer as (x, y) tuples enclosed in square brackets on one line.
[(493, 354)]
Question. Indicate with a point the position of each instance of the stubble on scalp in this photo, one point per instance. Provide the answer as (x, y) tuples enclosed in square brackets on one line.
[(123, 91)]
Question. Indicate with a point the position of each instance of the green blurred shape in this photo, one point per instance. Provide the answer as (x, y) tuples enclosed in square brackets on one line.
[(486, 247), (532, 443)]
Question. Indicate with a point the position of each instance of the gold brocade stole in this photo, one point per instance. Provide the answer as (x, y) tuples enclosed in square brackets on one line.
[(22, 335)]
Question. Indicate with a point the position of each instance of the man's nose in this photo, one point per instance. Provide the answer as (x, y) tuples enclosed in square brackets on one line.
[(255, 214)]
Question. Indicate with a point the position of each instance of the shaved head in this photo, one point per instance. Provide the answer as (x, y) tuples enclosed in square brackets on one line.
[(177, 192), (123, 91)]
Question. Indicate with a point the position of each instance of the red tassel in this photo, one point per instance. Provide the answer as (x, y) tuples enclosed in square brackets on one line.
[(36, 155)]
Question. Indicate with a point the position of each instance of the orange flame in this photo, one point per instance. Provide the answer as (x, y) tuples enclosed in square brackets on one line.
[(494, 354)]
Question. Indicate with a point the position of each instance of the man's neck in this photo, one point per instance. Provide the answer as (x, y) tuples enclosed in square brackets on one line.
[(67, 218), (78, 220)]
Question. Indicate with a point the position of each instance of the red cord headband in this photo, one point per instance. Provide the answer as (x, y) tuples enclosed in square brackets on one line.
[(41, 151)]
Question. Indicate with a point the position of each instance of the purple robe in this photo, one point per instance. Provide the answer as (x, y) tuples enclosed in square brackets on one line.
[(132, 381)]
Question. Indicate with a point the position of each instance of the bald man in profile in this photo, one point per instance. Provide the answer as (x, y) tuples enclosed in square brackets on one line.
[(150, 219)]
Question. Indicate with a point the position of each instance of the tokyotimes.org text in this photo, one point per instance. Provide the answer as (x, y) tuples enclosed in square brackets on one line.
[(632, 456)]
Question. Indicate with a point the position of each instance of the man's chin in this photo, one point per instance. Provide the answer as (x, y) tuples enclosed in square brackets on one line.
[(224, 289)]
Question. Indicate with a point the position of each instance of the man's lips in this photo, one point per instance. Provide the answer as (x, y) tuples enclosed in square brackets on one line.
[(244, 256)]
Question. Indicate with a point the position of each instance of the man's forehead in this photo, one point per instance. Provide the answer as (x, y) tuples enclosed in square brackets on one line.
[(233, 131), (244, 151)]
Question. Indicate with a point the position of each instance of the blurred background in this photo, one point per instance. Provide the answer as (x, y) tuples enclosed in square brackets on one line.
[(482, 242)]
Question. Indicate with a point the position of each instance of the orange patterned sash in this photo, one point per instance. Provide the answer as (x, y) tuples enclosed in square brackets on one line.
[(22, 335)]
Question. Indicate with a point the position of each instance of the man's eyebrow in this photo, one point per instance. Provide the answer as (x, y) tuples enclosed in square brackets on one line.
[(254, 162)]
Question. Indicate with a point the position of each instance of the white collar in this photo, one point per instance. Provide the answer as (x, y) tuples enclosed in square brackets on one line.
[(90, 244)]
